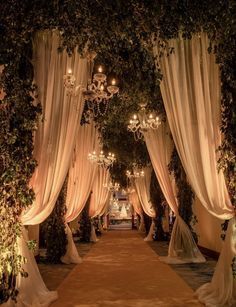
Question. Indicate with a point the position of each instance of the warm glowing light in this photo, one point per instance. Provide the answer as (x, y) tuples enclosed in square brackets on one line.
[(69, 71), (102, 87), (113, 82), (150, 116), (100, 69), (135, 116)]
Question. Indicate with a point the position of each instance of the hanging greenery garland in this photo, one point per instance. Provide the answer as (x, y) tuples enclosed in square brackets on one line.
[(18, 116)]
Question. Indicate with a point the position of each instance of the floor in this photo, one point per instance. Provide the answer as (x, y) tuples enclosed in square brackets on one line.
[(121, 270), (194, 274), (54, 274)]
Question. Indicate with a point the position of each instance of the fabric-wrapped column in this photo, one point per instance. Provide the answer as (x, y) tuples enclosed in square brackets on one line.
[(191, 93), (142, 185)]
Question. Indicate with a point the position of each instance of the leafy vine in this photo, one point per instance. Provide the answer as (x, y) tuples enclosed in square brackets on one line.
[(185, 194), (54, 229)]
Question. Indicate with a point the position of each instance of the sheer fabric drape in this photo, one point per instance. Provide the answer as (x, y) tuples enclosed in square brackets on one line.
[(100, 197), (142, 186), (54, 142), (55, 137), (191, 94), (182, 247), (134, 200), (100, 193), (82, 171), (32, 290), (80, 180)]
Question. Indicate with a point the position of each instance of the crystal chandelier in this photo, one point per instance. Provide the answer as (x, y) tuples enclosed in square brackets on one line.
[(112, 187), (134, 174), (101, 159), (98, 93), (69, 82), (141, 123), (69, 79)]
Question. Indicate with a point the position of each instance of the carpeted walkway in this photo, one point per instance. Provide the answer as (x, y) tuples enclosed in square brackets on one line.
[(121, 270)]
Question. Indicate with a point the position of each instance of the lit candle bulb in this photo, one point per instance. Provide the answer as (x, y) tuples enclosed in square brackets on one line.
[(135, 116), (100, 69), (102, 87), (69, 71), (150, 116), (113, 82), (157, 118)]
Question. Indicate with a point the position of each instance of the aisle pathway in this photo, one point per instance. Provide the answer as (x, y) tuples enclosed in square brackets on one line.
[(121, 270)]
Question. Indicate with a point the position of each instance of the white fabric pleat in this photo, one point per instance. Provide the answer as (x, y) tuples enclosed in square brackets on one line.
[(191, 93), (32, 290), (133, 198), (160, 146), (100, 194), (149, 237), (82, 171), (53, 146), (93, 236), (182, 247), (142, 186), (57, 131), (71, 255), (100, 197), (81, 176)]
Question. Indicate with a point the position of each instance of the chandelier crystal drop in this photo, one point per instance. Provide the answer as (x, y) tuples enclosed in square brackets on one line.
[(140, 123), (69, 82), (98, 93), (101, 159)]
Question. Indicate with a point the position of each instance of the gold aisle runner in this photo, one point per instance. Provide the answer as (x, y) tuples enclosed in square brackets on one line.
[(121, 270)]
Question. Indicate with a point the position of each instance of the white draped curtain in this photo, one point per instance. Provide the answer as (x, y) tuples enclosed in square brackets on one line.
[(182, 247), (54, 143), (191, 92), (100, 196), (134, 200), (142, 186), (58, 127), (80, 180)]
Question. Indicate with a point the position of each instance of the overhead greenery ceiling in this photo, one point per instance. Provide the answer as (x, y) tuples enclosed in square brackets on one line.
[(119, 31)]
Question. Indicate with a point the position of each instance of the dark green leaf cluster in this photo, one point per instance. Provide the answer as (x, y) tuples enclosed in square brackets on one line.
[(157, 198), (85, 223), (54, 229), (185, 194)]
